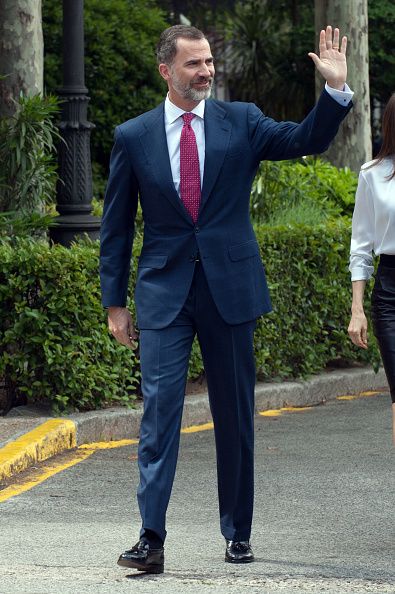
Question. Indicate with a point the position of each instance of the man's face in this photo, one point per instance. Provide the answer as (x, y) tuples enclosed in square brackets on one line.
[(190, 76)]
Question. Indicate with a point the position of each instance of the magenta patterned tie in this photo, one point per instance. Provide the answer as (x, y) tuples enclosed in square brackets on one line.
[(189, 168)]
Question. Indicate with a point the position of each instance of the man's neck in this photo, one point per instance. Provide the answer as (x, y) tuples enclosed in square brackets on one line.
[(181, 103)]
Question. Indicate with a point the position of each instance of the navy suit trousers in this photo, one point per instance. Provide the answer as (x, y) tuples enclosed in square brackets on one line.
[(228, 357)]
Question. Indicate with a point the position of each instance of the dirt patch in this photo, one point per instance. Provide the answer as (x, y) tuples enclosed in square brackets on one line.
[(196, 386)]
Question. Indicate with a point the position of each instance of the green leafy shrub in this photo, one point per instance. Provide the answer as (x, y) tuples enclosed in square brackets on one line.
[(27, 155), (285, 192), (120, 63), (309, 281), (54, 342), (14, 225)]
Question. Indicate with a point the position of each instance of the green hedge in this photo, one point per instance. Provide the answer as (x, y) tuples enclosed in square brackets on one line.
[(54, 342), (312, 189), (309, 281)]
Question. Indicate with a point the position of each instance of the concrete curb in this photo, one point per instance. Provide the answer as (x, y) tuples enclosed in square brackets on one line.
[(113, 424), (43, 442), (116, 424)]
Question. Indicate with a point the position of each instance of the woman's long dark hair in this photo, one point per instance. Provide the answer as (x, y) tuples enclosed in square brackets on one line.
[(388, 133)]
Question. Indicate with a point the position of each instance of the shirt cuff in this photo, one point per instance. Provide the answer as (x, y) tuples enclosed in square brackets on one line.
[(361, 273), (343, 97)]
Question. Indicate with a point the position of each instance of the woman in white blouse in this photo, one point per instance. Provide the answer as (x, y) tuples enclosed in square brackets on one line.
[(373, 230)]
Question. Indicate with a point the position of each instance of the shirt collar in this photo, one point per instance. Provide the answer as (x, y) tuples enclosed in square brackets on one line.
[(172, 112)]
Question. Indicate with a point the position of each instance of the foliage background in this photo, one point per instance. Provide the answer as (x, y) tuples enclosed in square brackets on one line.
[(308, 191), (27, 156), (54, 342), (271, 39), (120, 63), (261, 45)]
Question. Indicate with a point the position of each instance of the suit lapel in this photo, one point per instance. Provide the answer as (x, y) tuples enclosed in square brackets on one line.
[(154, 143), (217, 131)]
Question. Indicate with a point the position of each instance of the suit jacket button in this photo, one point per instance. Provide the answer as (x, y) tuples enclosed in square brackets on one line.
[(197, 229)]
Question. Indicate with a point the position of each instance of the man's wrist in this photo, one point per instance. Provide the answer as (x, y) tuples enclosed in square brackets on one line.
[(337, 85)]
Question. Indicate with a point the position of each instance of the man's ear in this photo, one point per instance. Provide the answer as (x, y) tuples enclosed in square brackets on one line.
[(164, 71)]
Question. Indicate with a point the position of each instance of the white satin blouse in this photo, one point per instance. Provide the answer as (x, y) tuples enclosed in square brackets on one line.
[(373, 221)]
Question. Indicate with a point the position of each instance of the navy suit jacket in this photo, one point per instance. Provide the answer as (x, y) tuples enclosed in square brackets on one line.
[(238, 136)]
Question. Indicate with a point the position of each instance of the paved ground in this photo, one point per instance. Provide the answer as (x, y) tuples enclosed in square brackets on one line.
[(324, 518), (30, 434)]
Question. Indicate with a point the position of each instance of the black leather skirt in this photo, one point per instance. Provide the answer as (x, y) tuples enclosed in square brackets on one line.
[(383, 316)]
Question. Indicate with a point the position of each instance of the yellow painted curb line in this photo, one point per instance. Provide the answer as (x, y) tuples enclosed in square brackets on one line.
[(277, 412), (51, 468), (197, 428), (41, 443), (357, 396), (45, 473), (107, 445)]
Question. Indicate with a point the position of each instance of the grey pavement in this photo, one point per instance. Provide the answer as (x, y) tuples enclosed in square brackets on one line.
[(324, 519)]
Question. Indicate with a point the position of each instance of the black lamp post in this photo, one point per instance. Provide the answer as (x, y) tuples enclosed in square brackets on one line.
[(74, 191)]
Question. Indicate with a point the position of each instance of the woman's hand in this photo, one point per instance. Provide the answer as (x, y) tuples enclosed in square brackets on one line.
[(358, 329)]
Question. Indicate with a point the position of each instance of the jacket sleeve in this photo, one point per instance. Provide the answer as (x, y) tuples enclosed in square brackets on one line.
[(287, 140), (117, 228)]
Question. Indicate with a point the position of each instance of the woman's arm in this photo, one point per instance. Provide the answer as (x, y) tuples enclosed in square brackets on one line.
[(358, 327), (361, 260)]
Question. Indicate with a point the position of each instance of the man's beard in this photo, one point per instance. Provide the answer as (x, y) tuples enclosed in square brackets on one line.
[(188, 92)]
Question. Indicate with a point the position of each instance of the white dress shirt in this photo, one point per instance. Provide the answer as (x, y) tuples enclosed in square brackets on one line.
[(173, 127), (373, 221), (174, 124)]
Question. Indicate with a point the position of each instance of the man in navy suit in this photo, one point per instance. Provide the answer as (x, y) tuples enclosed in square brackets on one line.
[(191, 163)]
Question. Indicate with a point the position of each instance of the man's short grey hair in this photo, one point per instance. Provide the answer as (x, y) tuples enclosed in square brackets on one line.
[(167, 46)]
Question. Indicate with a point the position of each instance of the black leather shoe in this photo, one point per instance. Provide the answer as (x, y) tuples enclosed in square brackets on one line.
[(238, 551), (143, 558)]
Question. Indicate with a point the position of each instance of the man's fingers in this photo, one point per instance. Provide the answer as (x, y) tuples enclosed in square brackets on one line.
[(315, 58), (133, 340), (120, 324), (121, 336), (133, 336), (329, 41), (132, 332), (124, 335), (125, 340), (343, 48), (335, 43), (328, 37), (322, 44)]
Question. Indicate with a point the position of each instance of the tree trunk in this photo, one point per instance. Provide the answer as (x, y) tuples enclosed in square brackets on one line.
[(353, 143), (21, 51)]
